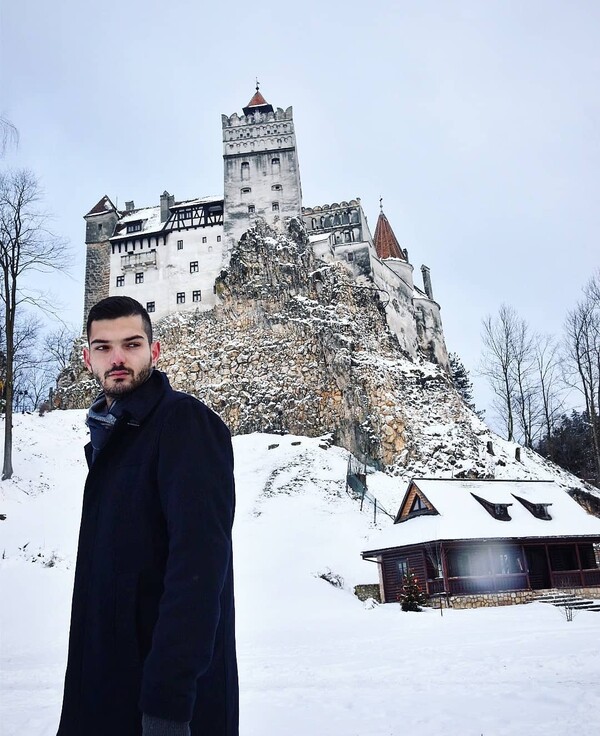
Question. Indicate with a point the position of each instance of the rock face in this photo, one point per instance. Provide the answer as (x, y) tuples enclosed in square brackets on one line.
[(301, 346)]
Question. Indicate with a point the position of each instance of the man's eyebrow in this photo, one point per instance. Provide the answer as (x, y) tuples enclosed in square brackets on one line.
[(99, 341)]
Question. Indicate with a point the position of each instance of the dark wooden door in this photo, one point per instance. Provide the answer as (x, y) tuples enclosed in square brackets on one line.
[(537, 562)]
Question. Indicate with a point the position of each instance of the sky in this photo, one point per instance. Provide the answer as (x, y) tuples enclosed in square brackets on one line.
[(477, 122)]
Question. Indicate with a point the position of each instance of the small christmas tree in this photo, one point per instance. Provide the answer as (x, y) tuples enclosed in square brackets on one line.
[(412, 597)]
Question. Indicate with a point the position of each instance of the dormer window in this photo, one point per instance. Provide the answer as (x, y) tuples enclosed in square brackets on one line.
[(497, 510), (539, 510), (134, 227)]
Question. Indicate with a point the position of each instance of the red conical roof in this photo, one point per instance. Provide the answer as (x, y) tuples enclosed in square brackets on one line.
[(386, 243), (257, 100), (104, 205), (257, 104)]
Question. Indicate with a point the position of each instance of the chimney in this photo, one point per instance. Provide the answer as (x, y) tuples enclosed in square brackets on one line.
[(129, 206), (427, 281), (166, 201)]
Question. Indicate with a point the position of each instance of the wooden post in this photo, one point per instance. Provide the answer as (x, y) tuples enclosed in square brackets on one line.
[(579, 565)]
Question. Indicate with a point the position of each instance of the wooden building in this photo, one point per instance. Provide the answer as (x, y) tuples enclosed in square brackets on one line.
[(473, 537)]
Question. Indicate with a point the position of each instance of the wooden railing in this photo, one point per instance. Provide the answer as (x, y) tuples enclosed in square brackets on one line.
[(575, 578), (488, 583)]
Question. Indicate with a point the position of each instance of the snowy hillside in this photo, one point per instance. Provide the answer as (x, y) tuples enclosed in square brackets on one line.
[(313, 658)]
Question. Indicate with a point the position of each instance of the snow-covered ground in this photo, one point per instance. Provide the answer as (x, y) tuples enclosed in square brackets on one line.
[(313, 658)]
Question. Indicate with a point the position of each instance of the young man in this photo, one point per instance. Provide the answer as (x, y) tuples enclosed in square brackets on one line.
[(152, 642)]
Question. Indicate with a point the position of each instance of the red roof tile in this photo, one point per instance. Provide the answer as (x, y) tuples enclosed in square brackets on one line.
[(386, 244), (104, 205), (257, 100)]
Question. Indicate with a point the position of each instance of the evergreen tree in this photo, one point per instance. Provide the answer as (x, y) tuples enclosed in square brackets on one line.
[(462, 381), (412, 597), (570, 446)]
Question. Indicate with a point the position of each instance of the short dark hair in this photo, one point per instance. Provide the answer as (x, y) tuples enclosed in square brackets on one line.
[(114, 307)]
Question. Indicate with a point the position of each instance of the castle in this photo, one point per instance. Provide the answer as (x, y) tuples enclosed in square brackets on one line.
[(169, 256)]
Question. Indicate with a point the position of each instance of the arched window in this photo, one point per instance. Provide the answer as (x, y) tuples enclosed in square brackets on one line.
[(275, 166), (245, 170), (313, 223)]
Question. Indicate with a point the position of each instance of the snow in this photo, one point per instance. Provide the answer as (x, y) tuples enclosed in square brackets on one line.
[(313, 659), (460, 516)]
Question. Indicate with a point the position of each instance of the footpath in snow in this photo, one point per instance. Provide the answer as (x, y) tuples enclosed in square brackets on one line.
[(313, 659)]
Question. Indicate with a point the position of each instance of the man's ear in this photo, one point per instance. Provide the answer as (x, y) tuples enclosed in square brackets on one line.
[(155, 352), (86, 359)]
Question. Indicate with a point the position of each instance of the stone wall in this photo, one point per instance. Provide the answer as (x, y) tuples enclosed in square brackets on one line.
[(487, 600)]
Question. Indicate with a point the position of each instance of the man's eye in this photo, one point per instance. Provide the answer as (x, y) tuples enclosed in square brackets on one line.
[(133, 345)]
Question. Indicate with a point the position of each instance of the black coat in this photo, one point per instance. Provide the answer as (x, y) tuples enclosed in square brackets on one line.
[(152, 623)]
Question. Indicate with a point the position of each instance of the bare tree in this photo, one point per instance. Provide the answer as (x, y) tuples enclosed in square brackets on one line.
[(58, 345), (498, 362), (9, 135), (547, 365), (582, 366), (26, 246)]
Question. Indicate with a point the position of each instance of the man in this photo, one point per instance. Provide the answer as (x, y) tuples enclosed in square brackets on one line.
[(152, 643)]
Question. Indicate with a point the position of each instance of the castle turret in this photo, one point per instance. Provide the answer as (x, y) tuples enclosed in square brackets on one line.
[(261, 172), (100, 225), (386, 244)]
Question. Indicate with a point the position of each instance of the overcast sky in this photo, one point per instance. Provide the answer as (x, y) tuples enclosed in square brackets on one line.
[(476, 121)]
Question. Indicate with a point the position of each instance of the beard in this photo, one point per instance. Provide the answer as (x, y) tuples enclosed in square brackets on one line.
[(122, 388)]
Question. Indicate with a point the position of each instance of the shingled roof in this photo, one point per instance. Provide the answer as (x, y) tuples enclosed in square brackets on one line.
[(104, 205), (257, 104), (386, 244)]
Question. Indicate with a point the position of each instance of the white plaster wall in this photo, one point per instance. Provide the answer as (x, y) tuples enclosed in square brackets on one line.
[(172, 272), (397, 282), (430, 331)]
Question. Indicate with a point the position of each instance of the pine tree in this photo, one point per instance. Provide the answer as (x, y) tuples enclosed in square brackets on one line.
[(412, 597), (462, 381)]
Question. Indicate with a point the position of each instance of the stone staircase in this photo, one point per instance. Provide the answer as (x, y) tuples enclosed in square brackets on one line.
[(569, 600)]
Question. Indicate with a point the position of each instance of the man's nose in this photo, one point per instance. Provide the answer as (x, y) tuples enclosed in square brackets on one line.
[(118, 356)]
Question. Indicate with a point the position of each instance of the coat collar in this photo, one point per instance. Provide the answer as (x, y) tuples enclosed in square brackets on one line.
[(137, 405)]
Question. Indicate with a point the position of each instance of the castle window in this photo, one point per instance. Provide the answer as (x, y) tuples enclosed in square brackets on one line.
[(347, 236), (181, 297), (180, 245), (275, 166), (150, 307), (276, 187), (134, 227), (313, 223), (120, 280), (204, 239), (245, 170), (251, 209), (245, 190), (193, 266), (197, 296), (218, 238), (350, 256), (275, 206), (99, 227), (139, 277), (210, 248)]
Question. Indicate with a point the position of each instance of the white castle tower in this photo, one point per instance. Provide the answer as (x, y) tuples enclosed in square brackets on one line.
[(261, 172)]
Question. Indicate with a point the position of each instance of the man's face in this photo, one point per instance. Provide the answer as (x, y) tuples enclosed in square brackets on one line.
[(119, 355)]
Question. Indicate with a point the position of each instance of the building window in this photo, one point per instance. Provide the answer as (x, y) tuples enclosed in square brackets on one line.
[(139, 277), (197, 296), (245, 170), (120, 280), (181, 297), (150, 307), (246, 190), (276, 188), (275, 166), (251, 209), (204, 239), (193, 266), (218, 238), (99, 227), (402, 568), (210, 248), (180, 245), (134, 227), (350, 256), (275, 206)]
